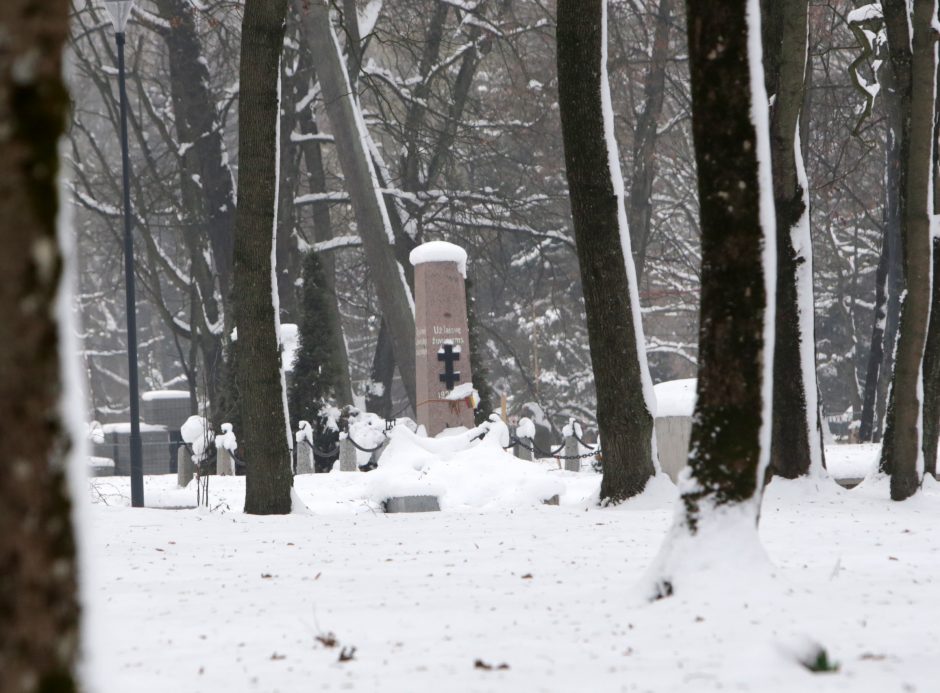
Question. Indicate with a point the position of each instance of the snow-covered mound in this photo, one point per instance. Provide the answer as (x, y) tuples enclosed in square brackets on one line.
[(461, 472)]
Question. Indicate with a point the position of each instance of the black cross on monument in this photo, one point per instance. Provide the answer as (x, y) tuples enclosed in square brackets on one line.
[(449, 377)]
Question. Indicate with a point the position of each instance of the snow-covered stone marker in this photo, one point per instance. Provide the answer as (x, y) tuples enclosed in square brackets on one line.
[(347, 455), (185, 468), (442, 341), (412, 504), (225, 445), (571, 432), (675, 401), (304, 448), (525, 434)]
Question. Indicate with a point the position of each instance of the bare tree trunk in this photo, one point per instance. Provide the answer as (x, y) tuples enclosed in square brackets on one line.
[(361, 182), (932, 347), (611, 301), (796, 438), (915, 62), (323, 231), (379, 392), (259, 375), (197, 124), (888, 278), (731, 425), (39, 610), (640, 213)]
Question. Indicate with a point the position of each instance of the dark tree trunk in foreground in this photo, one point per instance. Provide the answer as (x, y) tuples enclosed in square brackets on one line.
[(729, 449), (915, 72), (39, 611), (362, 184), (726, 451), (258, 374), (597, 208), (796, 438), (932, 370), (932, 347)]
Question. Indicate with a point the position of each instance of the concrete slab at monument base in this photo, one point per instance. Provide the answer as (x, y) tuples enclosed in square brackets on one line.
[(412, 504)]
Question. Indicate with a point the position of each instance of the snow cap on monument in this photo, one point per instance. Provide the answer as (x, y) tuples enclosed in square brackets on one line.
[(440, 251)]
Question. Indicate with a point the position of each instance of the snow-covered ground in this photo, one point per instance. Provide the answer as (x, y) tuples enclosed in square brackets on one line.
[(191, 600)]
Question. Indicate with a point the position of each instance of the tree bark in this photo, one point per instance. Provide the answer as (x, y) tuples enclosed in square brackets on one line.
[(727, 454), (615, 332), (914, 61), (361, 182), (932, 347), (39, 610), (198, 127), (259, 375), (796, 436), (323, 231), (379, 392), (888, 278), (640, 213)]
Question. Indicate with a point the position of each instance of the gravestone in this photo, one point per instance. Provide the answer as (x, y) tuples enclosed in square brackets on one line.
[(185, 468), (442, 342), (224, 463), (348, 461)]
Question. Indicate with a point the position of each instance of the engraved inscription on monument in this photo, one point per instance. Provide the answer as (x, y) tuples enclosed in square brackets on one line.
[(441, 336)]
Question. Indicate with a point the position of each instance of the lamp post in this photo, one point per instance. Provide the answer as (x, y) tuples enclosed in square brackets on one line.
[(120, 11)]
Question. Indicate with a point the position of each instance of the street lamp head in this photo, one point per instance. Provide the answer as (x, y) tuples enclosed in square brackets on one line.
[(120, 11)]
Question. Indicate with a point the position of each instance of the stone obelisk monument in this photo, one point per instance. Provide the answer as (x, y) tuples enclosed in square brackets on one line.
[(442, 340)]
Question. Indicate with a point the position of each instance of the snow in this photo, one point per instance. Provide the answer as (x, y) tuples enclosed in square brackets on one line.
[(236, 602), (802, 242), (760, 117), (864, 13), (440, 251), (852, 461), (290, 341), (227, 441), (525, 428), (125, 428), (197, 433), (155, 395), (675, 397), (92, 462), (462, 391)]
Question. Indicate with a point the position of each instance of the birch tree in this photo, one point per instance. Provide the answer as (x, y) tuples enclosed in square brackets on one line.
[(39, 610), (796, 439), (731, 427), (912, 44), (625, 400)]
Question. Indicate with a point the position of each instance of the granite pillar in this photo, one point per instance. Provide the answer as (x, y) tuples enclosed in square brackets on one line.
[(442, 341)]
